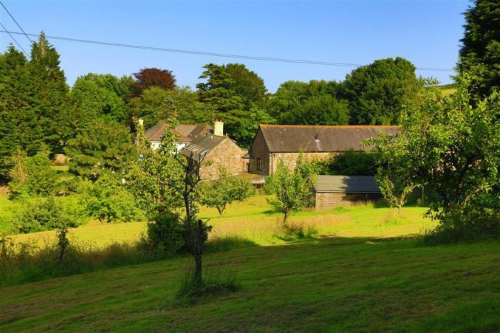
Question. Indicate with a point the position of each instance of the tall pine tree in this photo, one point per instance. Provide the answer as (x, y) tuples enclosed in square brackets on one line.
[(19, 122), (50, 94), (480, 50)]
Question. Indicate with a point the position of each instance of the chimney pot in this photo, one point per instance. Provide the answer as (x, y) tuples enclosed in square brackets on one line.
[(218, 128)]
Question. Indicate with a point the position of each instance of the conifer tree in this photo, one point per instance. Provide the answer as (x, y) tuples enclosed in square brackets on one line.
[(50, 93), (481, 46), (19, 126)]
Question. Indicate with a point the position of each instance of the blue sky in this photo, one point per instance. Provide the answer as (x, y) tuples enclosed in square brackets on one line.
[(425, 32)]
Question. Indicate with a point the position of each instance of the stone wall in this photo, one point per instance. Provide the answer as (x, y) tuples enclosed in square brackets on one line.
[(227, 154), (260, 150)]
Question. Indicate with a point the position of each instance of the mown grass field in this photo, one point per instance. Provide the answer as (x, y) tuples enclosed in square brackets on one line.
[(366, 269), (325, 284)]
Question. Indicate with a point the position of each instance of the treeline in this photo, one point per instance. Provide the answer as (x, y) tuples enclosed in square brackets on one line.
[(37, 107)]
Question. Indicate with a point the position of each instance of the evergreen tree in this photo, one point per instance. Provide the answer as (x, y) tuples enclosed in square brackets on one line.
[(19, 125), (217, 93), (481, 46), (50, 93), (236, 96), (248, 85), (105, 146)]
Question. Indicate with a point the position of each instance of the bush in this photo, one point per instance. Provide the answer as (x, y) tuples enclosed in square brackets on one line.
[(109, 201), (34, 176), (50, 213), (352, 163), (476, 221), (165, 236)]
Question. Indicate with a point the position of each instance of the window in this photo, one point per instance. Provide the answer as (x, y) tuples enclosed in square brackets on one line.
[(259, 164)]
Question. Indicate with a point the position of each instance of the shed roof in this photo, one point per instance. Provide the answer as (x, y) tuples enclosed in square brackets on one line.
[(310, 138), (346, 184)]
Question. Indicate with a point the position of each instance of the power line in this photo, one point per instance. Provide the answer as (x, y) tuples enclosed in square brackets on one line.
[(213, 54), (11, 36), (19, 26)]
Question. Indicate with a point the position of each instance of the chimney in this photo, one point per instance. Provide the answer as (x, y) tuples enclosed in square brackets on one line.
[(218, 128)]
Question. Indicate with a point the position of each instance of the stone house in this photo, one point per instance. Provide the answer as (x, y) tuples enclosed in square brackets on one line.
[(215, 149), (286, 142), (333, 191), (185, 132)]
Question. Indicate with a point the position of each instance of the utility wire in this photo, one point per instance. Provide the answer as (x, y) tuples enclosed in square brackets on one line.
[(18, 25), (222, 55), (11, 36)]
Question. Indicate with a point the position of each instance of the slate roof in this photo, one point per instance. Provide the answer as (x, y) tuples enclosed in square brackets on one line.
[(309, 138), (346, 184), (186, 132), (202, 145)]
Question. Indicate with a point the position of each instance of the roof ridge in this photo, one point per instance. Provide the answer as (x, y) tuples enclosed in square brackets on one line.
[(329, 126), (161, 129)]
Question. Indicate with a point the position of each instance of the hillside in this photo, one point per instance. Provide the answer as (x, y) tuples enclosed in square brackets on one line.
[(334, 284), (361, 271)]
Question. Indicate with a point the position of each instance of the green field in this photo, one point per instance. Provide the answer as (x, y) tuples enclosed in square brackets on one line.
[(365, 269), (254, 220), (325, 284)]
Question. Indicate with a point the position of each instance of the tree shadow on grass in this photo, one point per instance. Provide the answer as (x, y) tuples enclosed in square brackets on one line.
[(226, 244)]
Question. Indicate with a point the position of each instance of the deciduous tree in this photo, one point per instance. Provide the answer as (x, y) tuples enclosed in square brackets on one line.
[(378, 92), (223, 191), (154, 77), (290, 188)]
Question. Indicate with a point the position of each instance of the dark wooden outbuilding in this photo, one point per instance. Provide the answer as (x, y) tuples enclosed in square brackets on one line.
[(333, 191)]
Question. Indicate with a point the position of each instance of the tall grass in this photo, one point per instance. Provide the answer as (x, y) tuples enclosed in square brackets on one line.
[(29, 262)]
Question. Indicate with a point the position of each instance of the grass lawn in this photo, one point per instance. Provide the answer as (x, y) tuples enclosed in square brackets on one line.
[(326, 284), (362, 272), (254, 220)]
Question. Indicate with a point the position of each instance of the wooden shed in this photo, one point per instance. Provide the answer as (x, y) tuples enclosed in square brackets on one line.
[(333, 191)]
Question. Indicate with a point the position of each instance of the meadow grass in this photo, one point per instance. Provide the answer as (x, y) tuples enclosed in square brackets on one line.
[(255, 221), (323, 284), (362, 271)]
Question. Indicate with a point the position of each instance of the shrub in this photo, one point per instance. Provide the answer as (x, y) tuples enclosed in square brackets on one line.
[(109, 201), (42, 214), (354, 163), (165, 236), (34, 176), (475, 221)]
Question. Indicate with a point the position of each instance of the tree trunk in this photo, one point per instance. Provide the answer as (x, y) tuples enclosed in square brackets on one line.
[(285, 216), (198, 253)]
